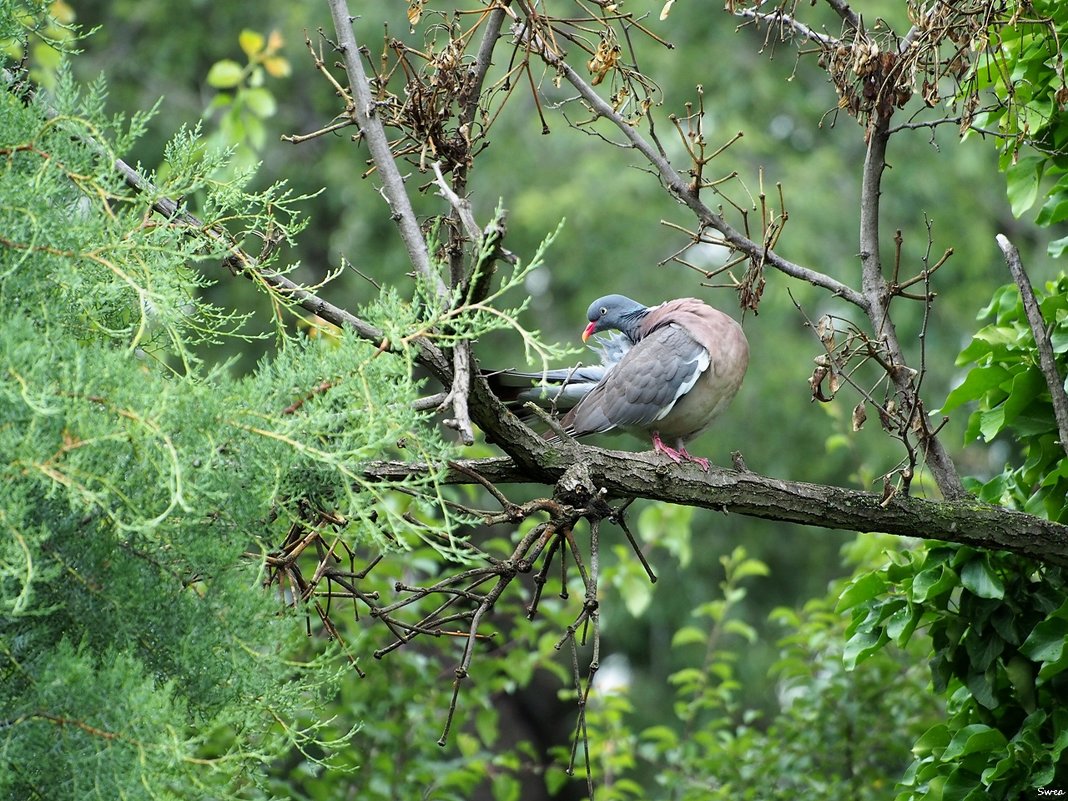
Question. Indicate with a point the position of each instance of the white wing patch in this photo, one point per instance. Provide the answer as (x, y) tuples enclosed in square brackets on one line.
[(702, 361)]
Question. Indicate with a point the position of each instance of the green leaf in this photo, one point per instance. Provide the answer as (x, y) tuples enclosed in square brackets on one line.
[(486, 725), (256, 133), (1023, 179), (932, 582), (749, 567), (506, 787), (972, 739), (1054, 210), (901, 624), (1026, 386), (1054, 667), (1006, 297), (251, 42), (861, 589), (556, 779), (980, 579), (975, 385), (742, 629), (980, 684), (221, 100), (983, 648), (990, 775), (261, 102), (861, 646), (1045, 643), (688, 635), (664, 736), (935, 739), (1021, 675), (991, 422), (636, 591), (688, 676), (225, 74), (961, 785)]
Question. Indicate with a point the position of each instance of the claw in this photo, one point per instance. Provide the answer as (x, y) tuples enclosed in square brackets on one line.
[(677, 456), (698, 459)]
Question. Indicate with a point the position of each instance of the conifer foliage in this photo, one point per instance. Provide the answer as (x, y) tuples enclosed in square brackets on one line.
[(143, 484)]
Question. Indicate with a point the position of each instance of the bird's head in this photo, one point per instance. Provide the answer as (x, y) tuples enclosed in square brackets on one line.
[(614, 312)]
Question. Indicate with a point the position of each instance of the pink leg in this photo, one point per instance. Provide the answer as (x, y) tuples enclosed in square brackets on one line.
[(671, 453)]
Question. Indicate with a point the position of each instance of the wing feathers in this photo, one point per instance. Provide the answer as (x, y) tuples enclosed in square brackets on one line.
[(644, 386)]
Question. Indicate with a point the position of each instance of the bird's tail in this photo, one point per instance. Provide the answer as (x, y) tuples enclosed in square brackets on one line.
[(560, 389)]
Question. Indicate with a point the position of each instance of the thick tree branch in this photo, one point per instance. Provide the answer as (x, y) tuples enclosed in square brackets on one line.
[(1046, 360), (643, 475), (374, 133)]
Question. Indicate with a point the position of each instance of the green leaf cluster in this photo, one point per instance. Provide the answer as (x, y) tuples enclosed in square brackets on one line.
[(243, 101), (998, 625), (1013, 398), (836, 732), (1024, 68)]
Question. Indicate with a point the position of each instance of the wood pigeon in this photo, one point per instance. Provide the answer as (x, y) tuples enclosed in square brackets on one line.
[(670, 372)]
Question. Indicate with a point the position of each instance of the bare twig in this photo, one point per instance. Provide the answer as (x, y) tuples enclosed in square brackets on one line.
[(374, 134), (842, 9), (911, 126), (1046, 360), (782, 19), (679, 187)]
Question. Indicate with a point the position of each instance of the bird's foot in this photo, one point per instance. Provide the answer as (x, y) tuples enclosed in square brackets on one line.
[(677, 456), (667, 450), (698, 459)]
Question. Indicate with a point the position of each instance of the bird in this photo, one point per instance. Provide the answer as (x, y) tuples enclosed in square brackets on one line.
[(667, 371)]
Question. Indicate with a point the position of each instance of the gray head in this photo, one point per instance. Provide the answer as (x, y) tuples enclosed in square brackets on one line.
[(615, 312)]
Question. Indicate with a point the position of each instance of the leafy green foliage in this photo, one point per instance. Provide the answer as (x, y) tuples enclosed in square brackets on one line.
[(143, 483), (837, 732), (39, 31), (998, 623), (1013, 398), (243, 101), (1024, 67)]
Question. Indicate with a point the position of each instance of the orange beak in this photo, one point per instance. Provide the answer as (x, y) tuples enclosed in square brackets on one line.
[(589, 331)]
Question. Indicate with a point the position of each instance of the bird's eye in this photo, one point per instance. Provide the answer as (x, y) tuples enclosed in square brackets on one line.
[(604, 311)]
